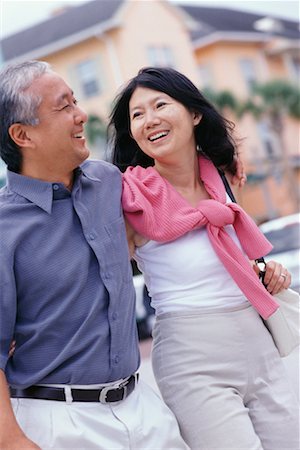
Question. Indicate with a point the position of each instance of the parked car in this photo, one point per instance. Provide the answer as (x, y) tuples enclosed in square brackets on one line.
[(144, 311), (284, 234)]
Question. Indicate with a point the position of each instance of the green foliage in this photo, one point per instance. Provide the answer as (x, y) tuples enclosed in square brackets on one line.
[(221, 99), (274, 98), (249, 106), (278, 97), (95, 128)]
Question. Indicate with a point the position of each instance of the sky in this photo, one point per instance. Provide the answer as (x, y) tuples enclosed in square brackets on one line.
[(16, 15)]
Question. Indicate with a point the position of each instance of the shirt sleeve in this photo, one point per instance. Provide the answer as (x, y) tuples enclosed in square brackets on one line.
[(7, 305)]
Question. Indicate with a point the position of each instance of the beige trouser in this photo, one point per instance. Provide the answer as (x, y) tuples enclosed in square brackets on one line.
[(223, 378), (142, 421)]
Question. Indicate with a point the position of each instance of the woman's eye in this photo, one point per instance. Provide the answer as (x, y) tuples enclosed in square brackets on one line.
[(136, 114), (65, 106), (160, 104)]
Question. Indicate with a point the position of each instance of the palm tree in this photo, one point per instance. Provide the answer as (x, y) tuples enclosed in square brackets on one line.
[(274, 101), (223, 100)]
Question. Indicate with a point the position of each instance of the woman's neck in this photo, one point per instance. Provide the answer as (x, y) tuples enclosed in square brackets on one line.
[(184, 176), (181, 174)]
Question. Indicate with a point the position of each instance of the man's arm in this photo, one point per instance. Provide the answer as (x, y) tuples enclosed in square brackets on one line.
[(11, 435)]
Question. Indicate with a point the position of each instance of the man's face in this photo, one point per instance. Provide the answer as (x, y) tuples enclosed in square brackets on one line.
[(58, 142)]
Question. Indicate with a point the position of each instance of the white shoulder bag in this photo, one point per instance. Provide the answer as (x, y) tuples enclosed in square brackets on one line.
[(284, 324)]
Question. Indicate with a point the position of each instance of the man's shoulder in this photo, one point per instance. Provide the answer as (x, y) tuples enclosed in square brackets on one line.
[(100, 168), (6, 197), (8, 210)]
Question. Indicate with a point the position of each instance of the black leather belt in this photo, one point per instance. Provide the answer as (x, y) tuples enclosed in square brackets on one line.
[(108, 394)]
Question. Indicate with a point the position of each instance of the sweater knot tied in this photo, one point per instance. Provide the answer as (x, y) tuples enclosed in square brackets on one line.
[(157, 211), (216, 213)]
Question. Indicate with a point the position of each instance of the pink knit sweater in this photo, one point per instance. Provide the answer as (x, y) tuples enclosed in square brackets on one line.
[(157, 211)]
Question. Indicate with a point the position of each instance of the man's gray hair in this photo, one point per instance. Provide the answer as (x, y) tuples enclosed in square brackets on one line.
[(18, 105), (14, 81)]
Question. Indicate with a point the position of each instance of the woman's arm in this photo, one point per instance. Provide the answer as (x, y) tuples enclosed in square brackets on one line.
[(130, 238), (134, 239)]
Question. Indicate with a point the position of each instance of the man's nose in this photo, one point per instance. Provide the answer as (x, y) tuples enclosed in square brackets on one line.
[(81, 115)]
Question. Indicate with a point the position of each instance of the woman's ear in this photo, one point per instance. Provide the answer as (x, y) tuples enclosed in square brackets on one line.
[(19, 134), (197, 118)]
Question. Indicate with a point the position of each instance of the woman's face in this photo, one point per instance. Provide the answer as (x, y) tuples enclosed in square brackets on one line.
[(161, 126)]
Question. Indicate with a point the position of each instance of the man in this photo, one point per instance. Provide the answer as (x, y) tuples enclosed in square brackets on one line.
[(67, 296)]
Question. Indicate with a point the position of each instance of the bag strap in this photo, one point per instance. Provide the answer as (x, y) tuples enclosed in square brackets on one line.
[(227, 186), (258, 261)]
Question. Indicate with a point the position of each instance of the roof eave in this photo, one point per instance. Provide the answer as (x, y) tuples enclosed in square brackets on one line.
[(95, 31), (229, 36), (285, 47)]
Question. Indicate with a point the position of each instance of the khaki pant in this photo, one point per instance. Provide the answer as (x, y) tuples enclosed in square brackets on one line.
[(142, 421), (222, 376)]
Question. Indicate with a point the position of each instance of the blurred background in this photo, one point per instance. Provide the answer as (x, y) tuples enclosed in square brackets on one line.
[(244, 56)]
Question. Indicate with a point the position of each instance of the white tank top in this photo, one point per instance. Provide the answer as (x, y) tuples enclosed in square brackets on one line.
[(187, 274)]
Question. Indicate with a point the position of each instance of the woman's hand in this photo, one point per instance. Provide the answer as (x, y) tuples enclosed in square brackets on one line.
[(236, 172), (276, 277), (239, 178)]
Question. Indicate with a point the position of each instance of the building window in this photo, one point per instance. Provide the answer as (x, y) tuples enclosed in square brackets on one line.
[(89, 78), (296, 67), (248, 71), (160, 56)]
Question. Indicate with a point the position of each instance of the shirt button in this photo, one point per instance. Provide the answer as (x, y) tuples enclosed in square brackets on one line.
[(55, 187), (92, 237), (115, 316), (117, 359)]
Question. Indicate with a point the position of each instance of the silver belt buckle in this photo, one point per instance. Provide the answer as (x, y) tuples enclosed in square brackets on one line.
[(105, 390)]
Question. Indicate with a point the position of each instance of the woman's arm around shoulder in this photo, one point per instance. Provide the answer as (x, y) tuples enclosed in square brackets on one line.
[(134, 239)]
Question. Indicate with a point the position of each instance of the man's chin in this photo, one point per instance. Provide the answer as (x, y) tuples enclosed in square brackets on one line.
[(84, 154)]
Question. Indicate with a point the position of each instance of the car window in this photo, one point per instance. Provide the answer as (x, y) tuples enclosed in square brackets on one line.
[(284, 239)]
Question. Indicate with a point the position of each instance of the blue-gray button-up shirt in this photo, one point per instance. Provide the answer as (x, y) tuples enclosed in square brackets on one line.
[(65, 280)]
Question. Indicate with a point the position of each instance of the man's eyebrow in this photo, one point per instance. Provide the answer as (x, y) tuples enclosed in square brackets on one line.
[(62, 97)]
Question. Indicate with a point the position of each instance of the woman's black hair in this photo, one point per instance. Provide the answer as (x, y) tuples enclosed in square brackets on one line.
[(213, 134)]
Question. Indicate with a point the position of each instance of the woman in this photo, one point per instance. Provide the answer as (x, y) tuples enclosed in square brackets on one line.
[(214, 361)]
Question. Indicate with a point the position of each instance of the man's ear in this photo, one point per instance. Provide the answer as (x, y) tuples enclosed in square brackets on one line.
[(197, 118), (19, 134)]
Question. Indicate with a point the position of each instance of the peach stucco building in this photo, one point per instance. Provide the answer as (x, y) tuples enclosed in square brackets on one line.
[(99, 45)]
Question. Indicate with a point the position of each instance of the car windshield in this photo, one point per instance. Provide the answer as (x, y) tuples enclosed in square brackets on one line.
[(284, 239)]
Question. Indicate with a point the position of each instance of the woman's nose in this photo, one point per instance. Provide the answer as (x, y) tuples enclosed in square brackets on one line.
[(151, 119)]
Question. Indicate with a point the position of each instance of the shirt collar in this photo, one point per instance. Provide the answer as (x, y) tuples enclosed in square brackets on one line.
[(36, 191)]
